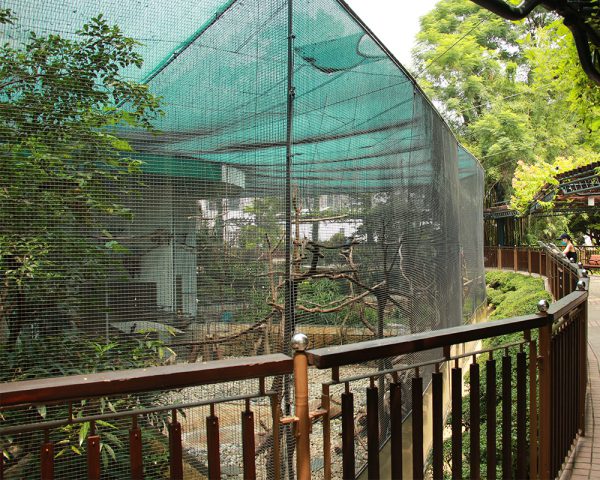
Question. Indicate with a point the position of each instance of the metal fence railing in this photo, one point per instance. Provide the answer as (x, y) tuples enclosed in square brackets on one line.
[(367, 391)]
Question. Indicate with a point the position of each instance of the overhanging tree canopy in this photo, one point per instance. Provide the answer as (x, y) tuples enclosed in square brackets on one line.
[(581, 17)]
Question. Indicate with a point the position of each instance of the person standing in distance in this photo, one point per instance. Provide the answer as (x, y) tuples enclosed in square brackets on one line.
[(569, 250)]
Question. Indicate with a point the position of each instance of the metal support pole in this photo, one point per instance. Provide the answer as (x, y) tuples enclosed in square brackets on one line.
[(289, 323), (299, 345), (289, 284)]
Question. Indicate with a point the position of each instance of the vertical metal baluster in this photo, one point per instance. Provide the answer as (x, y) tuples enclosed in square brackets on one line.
[(546, 434), (437, 404), (562, 412), (533, 409), (47, 458), (348, 465), (572, 389), (326, 405), (136, 462), (543, 266), (490, 370), (213, 444), (576, 374), (417, 425), (566, 394), (396, 429), (554, 448), (373, 430), (582, 365), (457, 462), (573, 350), (276, 457), (175, 449), (521, 414), (506, 416), (93, 453), (248, 445), (475, 420), (571, 377), (559, 405)]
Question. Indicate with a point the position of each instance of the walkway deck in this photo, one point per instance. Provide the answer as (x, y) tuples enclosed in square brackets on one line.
[(585, 462)]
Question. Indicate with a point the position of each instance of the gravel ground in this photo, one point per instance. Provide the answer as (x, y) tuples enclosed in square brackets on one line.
[(229, 414)]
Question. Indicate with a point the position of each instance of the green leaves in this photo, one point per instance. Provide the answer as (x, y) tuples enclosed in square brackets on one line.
[(6, 16), (513, 91), (529, 179), (64, 168), (42, 410)]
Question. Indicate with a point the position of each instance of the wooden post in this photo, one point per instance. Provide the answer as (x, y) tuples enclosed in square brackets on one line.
[(175, 448), (275, 413), (299, 345), (533, 409), (515, 259), (545, 379), (583, 367), (47, 457), (325, 405), (558, 280), (529, 260), (499, 258), (136, 462)]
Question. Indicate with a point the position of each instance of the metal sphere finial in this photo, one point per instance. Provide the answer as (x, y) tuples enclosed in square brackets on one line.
[(581, 285), (299, 342), (584, 273), (580, 265), (571, 259), (543, 305)]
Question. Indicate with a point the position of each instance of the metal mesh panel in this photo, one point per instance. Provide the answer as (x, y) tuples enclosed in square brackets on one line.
[(471, 233), (169, 244)]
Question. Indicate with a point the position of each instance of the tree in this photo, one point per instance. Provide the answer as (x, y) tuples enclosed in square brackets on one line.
[(512, 90), (556, 66), (529, 179), (467, 57), (62, 164)]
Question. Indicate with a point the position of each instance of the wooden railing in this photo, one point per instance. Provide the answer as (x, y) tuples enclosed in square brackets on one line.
[(541, 366), (545, 260), (78, 398)]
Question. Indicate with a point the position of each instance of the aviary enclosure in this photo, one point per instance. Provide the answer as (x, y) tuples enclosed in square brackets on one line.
[(269, 168)]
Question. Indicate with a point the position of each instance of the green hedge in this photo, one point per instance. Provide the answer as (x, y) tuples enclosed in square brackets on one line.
[(513, 294), (510, 294)]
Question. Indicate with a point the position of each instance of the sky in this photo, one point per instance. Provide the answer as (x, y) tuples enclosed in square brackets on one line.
[(395, 22)]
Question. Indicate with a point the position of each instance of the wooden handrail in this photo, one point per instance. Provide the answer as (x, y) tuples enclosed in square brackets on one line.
[(387, 347), (391, 346), (569, 302), (142, 379)]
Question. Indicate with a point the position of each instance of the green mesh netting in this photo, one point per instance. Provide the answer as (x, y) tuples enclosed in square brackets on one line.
[(384, 222)]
